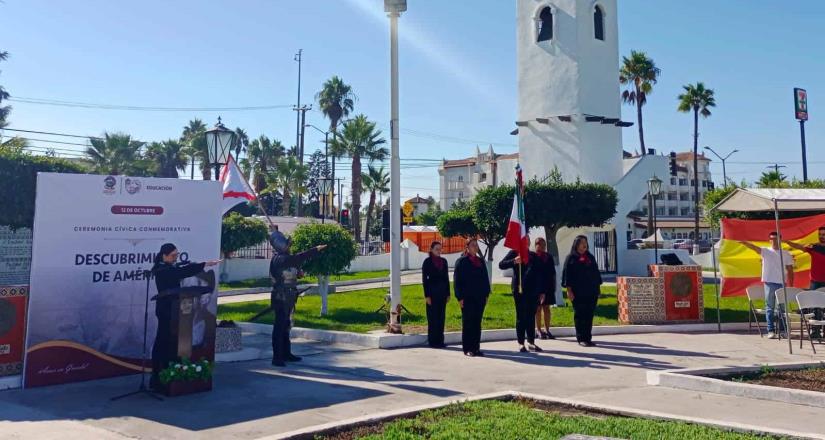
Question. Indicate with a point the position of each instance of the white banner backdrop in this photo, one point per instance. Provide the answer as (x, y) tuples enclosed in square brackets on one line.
[(93, 238)]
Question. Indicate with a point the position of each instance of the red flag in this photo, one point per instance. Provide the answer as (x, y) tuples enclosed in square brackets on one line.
[(236, 189), (516, 238)]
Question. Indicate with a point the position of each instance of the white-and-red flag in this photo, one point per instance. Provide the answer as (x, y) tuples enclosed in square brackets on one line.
[(236, 189), (516, 238)]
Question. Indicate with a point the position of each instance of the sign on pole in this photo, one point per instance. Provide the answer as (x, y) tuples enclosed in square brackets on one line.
[(801, 104)]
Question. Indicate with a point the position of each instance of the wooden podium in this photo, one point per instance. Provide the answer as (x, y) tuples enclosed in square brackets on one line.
[(181, 303)]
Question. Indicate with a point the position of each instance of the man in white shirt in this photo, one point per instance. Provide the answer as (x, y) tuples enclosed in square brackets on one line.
[(773, 258)]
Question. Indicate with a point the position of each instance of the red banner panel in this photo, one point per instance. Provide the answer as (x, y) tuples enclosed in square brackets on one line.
[(682, 296), (12, 328)]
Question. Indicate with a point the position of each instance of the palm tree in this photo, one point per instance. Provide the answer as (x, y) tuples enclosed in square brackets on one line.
[(169, 157), (336, 102), (115, 153), (262, 156), (698, 99), (4, 110), (194, 137), (376, 181), (639, 73), (241, 142), (358, 139), (771, 179), (289, 176)]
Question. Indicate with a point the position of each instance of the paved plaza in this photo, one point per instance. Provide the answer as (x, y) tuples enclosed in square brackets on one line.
[(335, 382)]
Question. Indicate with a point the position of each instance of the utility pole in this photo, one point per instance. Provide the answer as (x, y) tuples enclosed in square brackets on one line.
[(804, 154), (775, 167), (298, 58), (394, 8), (302, 116)]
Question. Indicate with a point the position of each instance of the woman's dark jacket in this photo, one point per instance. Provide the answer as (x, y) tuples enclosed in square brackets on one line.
[(582, 276), (539, 276), (168, 276), (470, 280), (436, 281)]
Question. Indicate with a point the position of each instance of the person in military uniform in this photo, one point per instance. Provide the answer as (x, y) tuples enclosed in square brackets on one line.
[(284, 268)]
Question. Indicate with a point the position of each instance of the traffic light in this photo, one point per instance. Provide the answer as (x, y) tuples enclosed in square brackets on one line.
[(385, 226), (673, 167), (345, 217)]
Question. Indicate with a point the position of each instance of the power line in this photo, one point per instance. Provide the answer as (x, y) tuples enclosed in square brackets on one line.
[(89, 105)]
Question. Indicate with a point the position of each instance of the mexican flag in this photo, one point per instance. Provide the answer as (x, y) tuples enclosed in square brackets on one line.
[(516, 238), (236, 189)]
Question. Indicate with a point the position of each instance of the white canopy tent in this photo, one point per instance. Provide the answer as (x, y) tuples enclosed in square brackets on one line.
[(776, 200)]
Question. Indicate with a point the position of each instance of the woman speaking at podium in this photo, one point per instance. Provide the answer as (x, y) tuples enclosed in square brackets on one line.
[(168, 275)]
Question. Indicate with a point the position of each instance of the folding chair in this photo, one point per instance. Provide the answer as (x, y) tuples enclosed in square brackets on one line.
[(755, 293), (793, 315), (810, 300)]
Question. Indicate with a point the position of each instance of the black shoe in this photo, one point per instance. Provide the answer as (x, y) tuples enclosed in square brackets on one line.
[(293, 358), (583, 344), (276, 363), (469, 354), (549, 335), (479, 353), (589, 344), (535, 348), (542, 335), (523, 349), (438, 345)]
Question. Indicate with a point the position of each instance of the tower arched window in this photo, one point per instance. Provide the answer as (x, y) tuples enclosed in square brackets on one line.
[(598, 23), (545, 24)]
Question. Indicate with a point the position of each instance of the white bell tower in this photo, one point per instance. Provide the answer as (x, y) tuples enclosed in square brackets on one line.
[(568, 81)]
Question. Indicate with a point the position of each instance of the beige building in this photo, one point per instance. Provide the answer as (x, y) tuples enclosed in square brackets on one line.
[(461, 179)]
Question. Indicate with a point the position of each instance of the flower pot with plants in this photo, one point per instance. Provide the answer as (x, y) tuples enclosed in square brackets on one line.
[(187, 377)]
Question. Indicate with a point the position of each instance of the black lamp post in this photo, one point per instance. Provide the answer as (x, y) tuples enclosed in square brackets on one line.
[(219, 141), (654, 188)]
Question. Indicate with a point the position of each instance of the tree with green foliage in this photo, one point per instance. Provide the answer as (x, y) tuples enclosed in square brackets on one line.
[(359, 139), (341, 250), (457, 222), (699, 100), (555, 204), (262, 155), (431, 216), (18, 172), (491, 209), (116, 153), (4, 95), (168, 157), (318, 168), (639, 73), (290, 177), (194, 137), (241, 142), (238, 232), (772, 179), (376, 182)]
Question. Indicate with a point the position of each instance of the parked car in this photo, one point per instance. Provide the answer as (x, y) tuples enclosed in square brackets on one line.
[(683, 243), (635, 243), (704, 246)]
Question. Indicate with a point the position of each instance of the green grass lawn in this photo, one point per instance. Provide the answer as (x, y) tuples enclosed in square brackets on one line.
[(266, 282), (355, 311), (519, 420)]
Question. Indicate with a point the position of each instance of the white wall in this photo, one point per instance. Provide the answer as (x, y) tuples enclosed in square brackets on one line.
[(572, 74)]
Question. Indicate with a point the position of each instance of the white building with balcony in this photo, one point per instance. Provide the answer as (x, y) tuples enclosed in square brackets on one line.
[(461, 179)]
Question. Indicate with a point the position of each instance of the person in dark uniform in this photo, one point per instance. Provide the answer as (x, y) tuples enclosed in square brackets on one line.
[(436, 281), (545, 278), (525, 297), (472, 287), (283, 269), (583, 281), (168, 275)]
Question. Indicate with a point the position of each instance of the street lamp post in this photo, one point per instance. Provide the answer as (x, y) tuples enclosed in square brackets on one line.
[(394, 8), (654, 188), (324, 185), (219, 140), (723, 159)]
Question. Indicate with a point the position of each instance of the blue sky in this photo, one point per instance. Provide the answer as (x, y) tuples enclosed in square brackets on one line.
[(458, 83)]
